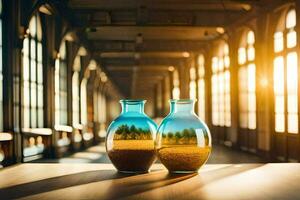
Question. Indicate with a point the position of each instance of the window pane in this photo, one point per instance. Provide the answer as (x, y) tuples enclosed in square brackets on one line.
[(251, 78), (201, 97), (278, 41), (278, 75), (201, 60), (251, 53), (293, 123), (214, 64), (201, 71), (251, 102), (241, 56), (252, 120), (292, 77), (291, 39), (279, 104), (292, 103), (291, 19), (250, 37), (279, 123)]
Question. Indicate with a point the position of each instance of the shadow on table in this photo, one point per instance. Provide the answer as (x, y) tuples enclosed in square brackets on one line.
[(135, 187), (126, 185)]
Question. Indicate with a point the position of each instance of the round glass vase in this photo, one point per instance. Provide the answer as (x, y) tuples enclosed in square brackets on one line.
[(130, 141), (183, 141)]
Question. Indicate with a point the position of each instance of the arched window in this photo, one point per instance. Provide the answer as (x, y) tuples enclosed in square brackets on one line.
[(201, 87), (75, 91), (246, 79), (176, 90), (220, 81), (285, 76), (61, 88), (33, 91)]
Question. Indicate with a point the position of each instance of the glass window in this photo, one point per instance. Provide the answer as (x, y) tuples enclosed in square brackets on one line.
[(201, 87), (75, 91), (220, 81), (33, 89), (60, 88), (83, 101), (247, 83), (285, 76)]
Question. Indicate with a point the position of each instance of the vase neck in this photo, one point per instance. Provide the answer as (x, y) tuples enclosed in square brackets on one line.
[(182, 105), (132, 106)]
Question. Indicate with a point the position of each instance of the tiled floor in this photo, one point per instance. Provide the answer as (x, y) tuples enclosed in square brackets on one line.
[(97, 154)]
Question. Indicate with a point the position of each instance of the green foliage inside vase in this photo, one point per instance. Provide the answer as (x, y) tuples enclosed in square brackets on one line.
[(124, 132), (186, 136)]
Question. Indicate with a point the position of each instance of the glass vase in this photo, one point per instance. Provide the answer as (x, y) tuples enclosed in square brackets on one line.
[(183, 141), (130, 141)]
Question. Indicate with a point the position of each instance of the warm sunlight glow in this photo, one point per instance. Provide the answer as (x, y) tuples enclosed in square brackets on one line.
[(247, 83), (278, 42), (291, 19), (221, 108), (201, 87), (292, 92)]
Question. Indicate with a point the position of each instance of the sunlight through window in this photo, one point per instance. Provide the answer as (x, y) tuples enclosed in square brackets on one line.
[(247, 82), (285, 76), (220, 81), (61, 88), (33, 89), (201, 87)]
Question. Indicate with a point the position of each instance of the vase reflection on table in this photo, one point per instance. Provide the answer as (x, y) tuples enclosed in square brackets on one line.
[(131, 137), (183, 141)]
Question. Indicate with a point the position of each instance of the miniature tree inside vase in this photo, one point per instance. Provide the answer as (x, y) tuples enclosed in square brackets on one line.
[(183, 141), (130, 139)]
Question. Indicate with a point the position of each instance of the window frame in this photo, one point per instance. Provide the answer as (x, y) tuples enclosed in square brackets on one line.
[(221, 105), (284, 52), (245, 64), (31, 42)]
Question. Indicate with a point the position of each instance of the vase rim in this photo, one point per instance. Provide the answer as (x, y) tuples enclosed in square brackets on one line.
[(132, 101), (182, 101)]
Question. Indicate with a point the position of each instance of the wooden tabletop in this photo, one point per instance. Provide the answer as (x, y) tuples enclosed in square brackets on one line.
[(101, 181)]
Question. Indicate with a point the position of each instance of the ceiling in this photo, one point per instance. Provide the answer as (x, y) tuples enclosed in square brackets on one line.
[(136, 41)]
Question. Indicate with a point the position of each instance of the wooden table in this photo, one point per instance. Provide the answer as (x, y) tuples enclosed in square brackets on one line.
[(101, 181)]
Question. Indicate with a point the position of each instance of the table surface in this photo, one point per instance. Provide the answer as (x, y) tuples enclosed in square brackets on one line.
[(101, 181)]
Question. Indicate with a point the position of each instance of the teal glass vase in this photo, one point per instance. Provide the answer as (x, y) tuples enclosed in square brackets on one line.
[(183, 141), (130, 141)]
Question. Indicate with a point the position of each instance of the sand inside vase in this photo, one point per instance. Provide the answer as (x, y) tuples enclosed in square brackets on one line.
[(183, 158), (132, 155)]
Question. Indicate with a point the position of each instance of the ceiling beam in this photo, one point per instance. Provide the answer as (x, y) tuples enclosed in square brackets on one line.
[(145, 17), (143, 61), (163, 4), (102, 46), (143, 68)]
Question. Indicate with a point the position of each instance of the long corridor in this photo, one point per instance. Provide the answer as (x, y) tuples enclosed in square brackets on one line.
[(179, 80)]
